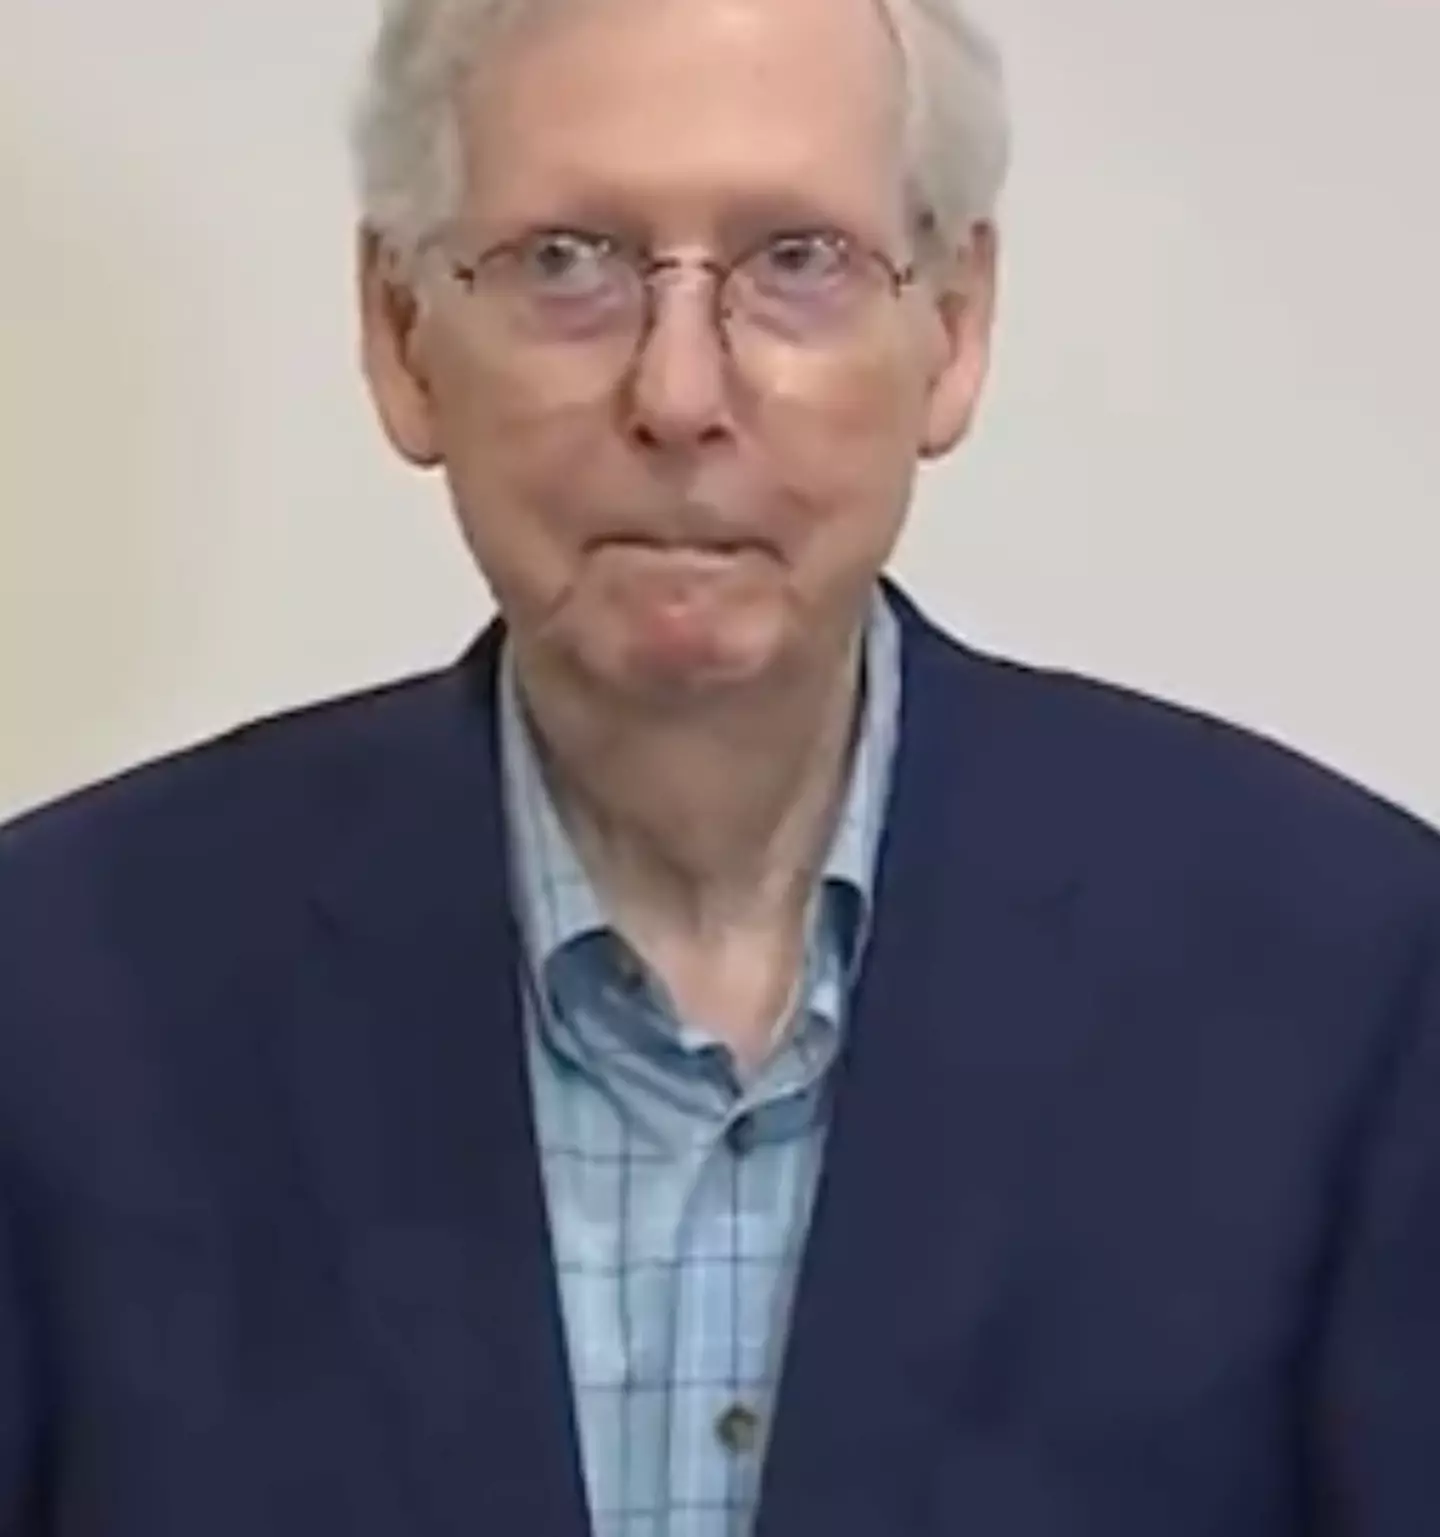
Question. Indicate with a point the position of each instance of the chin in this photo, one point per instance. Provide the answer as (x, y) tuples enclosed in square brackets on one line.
[(677, 660), (651, 623)]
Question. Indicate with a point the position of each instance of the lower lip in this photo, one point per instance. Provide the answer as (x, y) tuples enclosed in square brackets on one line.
[(697, 555)]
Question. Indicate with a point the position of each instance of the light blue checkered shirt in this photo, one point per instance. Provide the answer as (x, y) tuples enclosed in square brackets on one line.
[(679, 1198)]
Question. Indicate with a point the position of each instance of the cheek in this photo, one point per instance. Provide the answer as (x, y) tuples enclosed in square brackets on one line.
[(848, 451), (495, 421), (497, 429), (533, 459), (512, 469)]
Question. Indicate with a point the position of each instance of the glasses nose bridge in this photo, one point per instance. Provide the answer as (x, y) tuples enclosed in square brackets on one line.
[(661, 272)]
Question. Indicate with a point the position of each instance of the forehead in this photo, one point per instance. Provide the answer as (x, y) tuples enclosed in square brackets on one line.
[(688, 112)]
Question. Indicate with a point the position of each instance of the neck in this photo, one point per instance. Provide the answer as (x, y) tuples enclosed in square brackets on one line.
[(709, 818)]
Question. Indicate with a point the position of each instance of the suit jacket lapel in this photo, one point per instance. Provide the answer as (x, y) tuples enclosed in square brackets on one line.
[(967, 1004), (412, 1114)]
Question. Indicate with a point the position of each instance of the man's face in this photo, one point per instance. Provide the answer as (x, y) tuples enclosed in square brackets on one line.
[(706, 502)]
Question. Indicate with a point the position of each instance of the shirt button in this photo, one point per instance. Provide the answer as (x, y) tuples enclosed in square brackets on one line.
[(740, 1135), (738, 1429)]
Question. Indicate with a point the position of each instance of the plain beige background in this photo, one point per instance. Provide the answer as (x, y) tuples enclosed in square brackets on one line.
[(1208, 468)]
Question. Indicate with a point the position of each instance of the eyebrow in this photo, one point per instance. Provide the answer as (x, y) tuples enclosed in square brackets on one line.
[(739, 219)]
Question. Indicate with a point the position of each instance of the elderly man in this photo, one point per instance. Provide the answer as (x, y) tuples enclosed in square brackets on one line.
[(725, 1057)]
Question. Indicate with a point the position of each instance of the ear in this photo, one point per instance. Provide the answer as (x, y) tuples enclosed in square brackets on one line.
[(966, 302), (390, 317)]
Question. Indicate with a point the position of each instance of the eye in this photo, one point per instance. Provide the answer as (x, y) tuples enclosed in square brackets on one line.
[(803, 261), (567, 262)]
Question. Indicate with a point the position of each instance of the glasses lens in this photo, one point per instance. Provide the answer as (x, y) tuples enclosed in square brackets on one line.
[(800, 323), (557, 316), (812, 290)]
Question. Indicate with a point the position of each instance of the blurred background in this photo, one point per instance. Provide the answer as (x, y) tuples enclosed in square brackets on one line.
[(1209, 466)]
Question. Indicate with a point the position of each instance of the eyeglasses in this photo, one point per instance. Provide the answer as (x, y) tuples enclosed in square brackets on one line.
[(593, 296)]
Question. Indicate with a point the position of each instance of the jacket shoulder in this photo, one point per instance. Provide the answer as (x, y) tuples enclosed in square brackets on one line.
[(223, 810), (1144, 788)]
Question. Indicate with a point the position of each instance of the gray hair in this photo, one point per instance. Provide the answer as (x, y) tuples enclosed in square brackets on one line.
[(405, 133)]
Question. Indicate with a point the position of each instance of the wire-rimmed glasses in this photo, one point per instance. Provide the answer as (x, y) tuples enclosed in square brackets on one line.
[(561, 296)]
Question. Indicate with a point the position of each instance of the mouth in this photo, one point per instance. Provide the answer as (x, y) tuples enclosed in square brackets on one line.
[(695, 549)]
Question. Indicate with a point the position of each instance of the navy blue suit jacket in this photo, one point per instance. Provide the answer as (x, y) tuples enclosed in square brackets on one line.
[(1130, 1224)]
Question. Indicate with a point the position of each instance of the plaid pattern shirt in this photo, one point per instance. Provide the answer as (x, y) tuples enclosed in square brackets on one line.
[(678, 1196)]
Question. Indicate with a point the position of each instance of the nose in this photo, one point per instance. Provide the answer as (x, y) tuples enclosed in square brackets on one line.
[(679, 393)]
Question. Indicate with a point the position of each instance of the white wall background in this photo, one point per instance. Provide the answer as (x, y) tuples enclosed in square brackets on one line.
[(1209, 465)]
